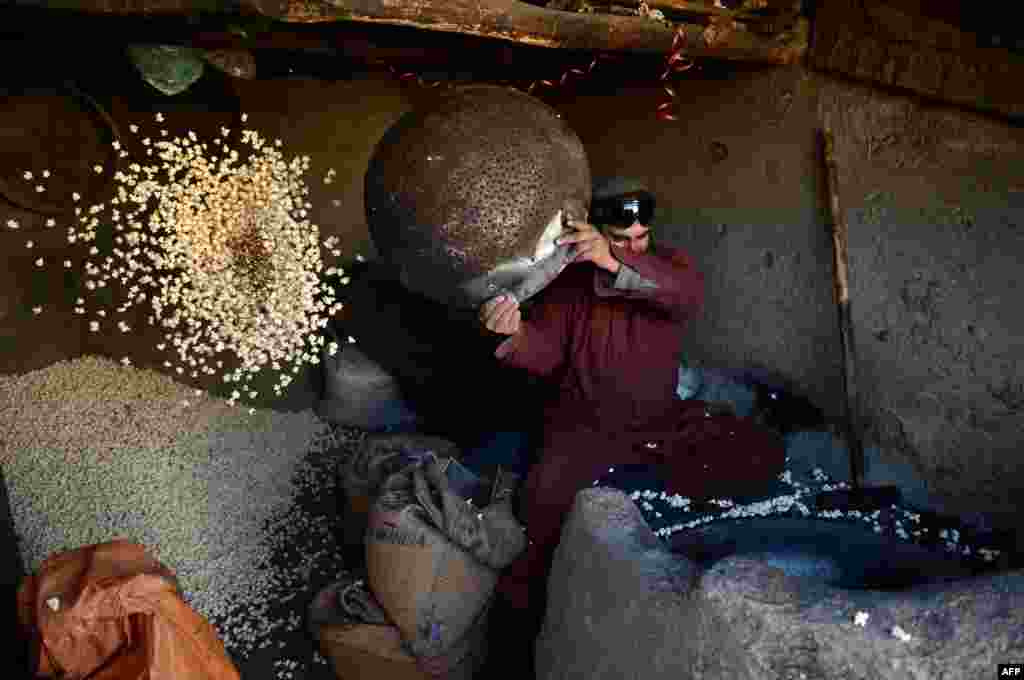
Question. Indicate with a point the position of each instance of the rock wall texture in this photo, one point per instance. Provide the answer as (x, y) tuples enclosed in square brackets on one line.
[(622, 606)]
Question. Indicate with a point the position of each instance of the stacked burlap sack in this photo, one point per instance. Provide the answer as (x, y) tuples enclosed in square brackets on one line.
[(436, 539)]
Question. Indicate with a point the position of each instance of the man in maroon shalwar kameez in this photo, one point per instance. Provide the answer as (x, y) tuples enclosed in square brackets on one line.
[(609, 331)]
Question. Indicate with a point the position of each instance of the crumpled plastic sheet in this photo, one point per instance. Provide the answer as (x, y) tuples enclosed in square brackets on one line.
[(169, 68)]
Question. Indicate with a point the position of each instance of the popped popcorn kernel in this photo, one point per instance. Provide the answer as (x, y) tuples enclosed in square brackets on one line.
[(900, 634)]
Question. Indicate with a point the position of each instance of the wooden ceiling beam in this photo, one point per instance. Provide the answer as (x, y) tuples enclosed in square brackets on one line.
[(507, 20), (521, 22)]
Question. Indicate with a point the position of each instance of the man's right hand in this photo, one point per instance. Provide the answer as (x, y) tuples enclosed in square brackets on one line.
[(501, 315)]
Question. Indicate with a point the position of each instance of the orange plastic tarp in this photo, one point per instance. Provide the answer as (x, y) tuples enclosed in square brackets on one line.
[(112, 612)]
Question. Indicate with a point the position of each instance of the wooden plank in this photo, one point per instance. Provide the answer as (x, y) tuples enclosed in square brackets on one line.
[(755, 13), (532, 25), (507, 20)]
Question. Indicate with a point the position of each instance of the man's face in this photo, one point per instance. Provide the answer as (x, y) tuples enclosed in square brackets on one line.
[(636, 238)]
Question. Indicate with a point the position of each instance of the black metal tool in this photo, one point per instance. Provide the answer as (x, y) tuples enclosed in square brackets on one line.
[(858, 497)]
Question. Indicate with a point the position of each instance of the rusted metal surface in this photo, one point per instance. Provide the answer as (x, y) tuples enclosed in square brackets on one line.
[(465, 197)]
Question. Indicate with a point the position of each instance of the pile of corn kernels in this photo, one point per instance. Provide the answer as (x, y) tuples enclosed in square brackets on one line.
[(92, 450)]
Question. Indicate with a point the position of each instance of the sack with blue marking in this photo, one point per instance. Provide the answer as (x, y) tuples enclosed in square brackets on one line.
[(433, 557)]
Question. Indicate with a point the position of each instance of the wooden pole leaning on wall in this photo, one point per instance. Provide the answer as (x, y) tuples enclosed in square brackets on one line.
[(858, 497)]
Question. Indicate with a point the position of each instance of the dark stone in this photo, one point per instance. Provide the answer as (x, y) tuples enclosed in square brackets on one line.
[(12, 570)]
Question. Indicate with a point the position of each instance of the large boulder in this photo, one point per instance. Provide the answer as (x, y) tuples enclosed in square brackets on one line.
[(622, 606)]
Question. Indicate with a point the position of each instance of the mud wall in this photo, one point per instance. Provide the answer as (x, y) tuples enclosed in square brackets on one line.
[(935, 205), (932, 195)]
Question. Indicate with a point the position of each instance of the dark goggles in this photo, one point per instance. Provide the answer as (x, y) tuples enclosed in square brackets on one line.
[(623, 211)]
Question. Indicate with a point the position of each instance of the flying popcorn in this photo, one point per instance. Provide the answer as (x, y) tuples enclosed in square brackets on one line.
[(213, 275)]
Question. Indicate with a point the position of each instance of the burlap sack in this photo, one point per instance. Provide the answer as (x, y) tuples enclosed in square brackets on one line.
[(492, 535), (355, 634), (359, 392), (382, 456), (431, 586), (112, 612)]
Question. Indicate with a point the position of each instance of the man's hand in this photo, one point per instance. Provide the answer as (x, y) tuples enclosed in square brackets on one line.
[(501, 315), (591, 246)]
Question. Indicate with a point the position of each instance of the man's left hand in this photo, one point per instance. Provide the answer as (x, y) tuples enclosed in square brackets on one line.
[(591, 246)]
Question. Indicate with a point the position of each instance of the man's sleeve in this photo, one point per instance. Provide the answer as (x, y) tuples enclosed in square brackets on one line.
[(541, 344), (672, 283)]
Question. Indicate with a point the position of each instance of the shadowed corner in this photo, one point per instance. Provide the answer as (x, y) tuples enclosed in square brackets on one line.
[(13, 572)]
